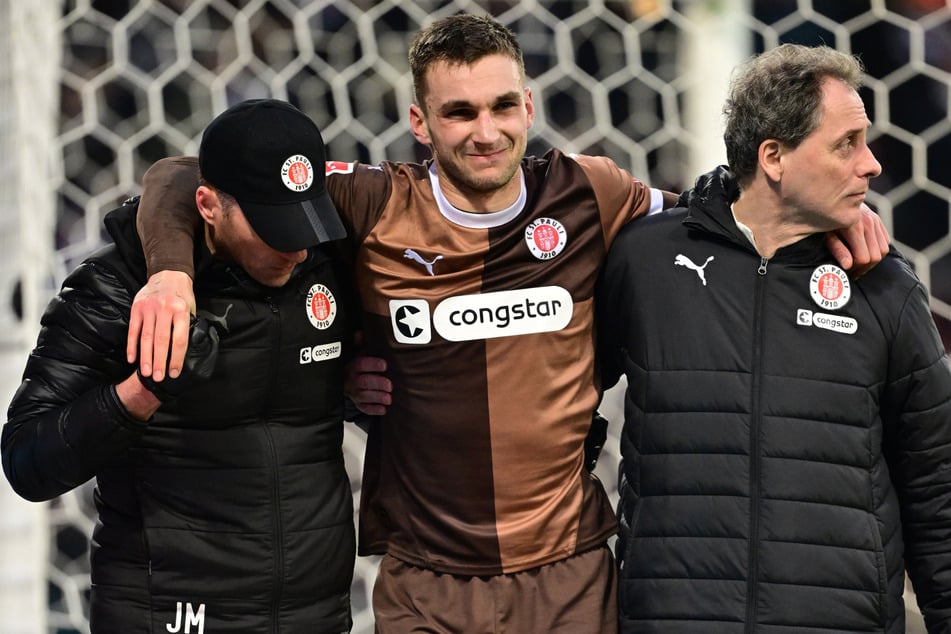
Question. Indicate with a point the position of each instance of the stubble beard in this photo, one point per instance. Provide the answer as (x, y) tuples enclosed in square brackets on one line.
[(470, 183)]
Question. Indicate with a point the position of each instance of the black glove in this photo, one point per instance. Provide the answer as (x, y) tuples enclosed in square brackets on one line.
[(597, 436), (200, 359)]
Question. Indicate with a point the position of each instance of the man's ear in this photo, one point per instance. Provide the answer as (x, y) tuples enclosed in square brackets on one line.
[(417, 123), (208, 203), (529, 106), (771, 154)]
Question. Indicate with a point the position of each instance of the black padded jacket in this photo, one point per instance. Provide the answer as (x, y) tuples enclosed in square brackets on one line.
[(787, 438), (230, 509)]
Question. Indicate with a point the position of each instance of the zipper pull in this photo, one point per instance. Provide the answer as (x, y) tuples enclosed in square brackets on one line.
[(762, 266)]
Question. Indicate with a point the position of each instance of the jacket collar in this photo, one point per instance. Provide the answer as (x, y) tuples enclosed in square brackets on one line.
[(708, 210)]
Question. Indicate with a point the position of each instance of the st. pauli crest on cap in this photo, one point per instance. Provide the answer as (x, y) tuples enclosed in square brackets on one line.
[(297, 173)]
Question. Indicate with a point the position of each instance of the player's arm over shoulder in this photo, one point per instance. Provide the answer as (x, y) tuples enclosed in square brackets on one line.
[(167, 220), (168, 224), (621, 196)]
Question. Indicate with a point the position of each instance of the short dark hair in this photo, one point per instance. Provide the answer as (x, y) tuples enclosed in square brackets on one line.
[(459, 39), (228, 202), (777, 95)]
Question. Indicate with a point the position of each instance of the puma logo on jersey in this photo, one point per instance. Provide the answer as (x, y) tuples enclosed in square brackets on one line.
[(221, 322), (415, 257), (683, 260)]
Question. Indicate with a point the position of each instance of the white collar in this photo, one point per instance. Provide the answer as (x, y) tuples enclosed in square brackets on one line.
[(475, 220), (743, 228)]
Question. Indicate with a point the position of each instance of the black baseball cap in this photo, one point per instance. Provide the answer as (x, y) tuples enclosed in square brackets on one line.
[(270, 156)]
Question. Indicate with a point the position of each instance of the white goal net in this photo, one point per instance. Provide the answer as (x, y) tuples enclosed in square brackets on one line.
[(94, 91)]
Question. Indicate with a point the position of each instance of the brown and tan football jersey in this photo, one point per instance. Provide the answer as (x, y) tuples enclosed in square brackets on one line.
[(486, 322)]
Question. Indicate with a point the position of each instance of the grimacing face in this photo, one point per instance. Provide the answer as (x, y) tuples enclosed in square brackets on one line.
[(825, 179), (476, 119), (231, 238)]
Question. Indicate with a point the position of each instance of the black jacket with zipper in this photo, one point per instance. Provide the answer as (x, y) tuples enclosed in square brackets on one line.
[(785, 457), (230, 507)]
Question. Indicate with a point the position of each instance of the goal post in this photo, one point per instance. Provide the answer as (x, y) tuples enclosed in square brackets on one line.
[(29, 72)]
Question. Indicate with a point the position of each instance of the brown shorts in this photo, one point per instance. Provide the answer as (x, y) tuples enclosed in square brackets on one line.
[(577, 595)]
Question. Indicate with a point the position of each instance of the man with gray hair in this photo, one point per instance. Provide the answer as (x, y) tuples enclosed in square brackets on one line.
[(787, 439)]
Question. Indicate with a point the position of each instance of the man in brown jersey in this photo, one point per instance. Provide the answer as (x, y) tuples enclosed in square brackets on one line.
[(476, 271)]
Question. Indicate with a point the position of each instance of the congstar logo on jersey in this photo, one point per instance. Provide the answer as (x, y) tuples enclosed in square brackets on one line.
[(483, 316)]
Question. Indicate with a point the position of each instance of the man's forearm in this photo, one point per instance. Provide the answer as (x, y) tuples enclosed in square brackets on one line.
[(139, 402), (168, 220)]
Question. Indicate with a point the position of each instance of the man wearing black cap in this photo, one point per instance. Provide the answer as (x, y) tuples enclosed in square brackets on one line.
[(222, 496)]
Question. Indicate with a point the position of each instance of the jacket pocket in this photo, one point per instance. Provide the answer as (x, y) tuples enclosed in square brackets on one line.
[(628, 512), (880, 569)]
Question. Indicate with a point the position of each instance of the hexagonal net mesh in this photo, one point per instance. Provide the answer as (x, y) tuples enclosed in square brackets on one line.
[(139, 80)]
